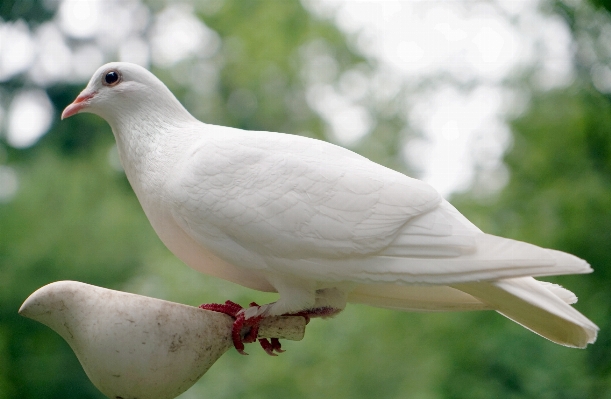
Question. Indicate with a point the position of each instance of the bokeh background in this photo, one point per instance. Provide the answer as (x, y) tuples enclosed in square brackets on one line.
[(502, 105)]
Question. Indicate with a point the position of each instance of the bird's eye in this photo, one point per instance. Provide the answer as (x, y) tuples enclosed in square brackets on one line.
[(111, 78)]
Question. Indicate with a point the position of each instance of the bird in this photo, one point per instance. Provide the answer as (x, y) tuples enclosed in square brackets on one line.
[(315, 222)]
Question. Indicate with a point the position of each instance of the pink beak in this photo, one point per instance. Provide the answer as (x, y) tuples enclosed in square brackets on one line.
[(82, 101)]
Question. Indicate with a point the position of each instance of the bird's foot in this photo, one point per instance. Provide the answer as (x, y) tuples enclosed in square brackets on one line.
[(246, 324), (250, 325)]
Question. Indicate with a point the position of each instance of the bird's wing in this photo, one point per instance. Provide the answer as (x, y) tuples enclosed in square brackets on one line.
[(288, 197), (441, 247), (307, 208)]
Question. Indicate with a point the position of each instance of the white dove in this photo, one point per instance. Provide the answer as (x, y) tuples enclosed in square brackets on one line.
[(315, 222)]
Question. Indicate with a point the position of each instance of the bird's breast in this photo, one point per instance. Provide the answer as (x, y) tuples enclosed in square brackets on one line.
[(197, 256)]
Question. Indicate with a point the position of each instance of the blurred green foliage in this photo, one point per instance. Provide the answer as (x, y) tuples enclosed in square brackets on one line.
[(559, 196), (75, 217), (33, 11)]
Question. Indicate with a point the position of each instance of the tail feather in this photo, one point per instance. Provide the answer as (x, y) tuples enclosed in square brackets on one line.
[(542, 309), (561, 292)]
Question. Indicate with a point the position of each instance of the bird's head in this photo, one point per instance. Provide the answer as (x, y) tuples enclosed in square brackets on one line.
[(123, 89)]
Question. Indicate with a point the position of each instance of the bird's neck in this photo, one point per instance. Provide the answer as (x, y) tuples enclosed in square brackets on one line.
[(149, 146)]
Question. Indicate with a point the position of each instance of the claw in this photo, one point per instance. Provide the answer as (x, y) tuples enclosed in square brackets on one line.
[(267, 346), (277, 346)]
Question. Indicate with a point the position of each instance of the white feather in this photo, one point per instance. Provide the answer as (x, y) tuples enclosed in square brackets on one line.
[(535, 307)]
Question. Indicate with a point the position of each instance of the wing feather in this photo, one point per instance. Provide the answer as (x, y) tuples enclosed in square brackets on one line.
[(288, 197)]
